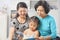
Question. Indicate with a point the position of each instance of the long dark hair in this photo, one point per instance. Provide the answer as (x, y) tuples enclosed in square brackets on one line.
[(21, 5)]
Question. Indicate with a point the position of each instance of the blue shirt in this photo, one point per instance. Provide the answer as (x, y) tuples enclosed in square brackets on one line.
[(47, 26)]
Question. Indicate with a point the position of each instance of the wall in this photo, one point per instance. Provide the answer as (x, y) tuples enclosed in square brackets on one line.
[(3, 26)]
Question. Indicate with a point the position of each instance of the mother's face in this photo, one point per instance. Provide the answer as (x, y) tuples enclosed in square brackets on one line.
[(41, 11), (22, 11)]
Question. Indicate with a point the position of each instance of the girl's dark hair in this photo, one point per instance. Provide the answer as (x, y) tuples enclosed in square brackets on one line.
[(35, 19), (44, 4), (21, 4)]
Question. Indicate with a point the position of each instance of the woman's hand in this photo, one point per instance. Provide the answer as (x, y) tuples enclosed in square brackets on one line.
[(48, 38), (41, 38), (20, 38)]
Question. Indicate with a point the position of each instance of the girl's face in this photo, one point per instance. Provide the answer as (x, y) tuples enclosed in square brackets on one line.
[(22, 12), (41, 11), (32, 25)]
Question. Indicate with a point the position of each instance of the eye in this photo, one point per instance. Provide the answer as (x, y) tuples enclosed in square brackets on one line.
[(38, 10), (20, 11)]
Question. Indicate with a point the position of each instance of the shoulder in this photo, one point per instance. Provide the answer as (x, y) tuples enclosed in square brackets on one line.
[(13, 22), (25, 32), (36, 32), (51, 18)]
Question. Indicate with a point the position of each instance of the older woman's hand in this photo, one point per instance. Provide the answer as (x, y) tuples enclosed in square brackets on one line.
[(41, 38), (48, 38)]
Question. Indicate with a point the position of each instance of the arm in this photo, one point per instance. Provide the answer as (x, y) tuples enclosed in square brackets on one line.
[(12, 28), (36, 34), (11, 33), (53, 30), (25, 32)]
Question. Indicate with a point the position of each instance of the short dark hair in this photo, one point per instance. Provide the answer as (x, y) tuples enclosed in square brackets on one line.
[(44, 4), (35, 19), (21, 4)]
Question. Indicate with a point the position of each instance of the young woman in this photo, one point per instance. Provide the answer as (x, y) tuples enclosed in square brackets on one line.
[(20, 23), (47, 27)]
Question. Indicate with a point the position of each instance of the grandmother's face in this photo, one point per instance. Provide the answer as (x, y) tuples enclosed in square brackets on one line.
[(41, 11)]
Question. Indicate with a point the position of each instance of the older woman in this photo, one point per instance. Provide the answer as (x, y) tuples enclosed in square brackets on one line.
[(20, 23), (47, 27)]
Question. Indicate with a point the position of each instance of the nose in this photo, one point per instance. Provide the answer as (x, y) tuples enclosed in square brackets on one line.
[(22, 12)]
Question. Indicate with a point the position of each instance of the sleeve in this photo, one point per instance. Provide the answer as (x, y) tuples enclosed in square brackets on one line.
[(53, 28), (13, 23)]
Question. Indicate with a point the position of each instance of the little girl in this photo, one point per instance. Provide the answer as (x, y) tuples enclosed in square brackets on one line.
[(32, 31)]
